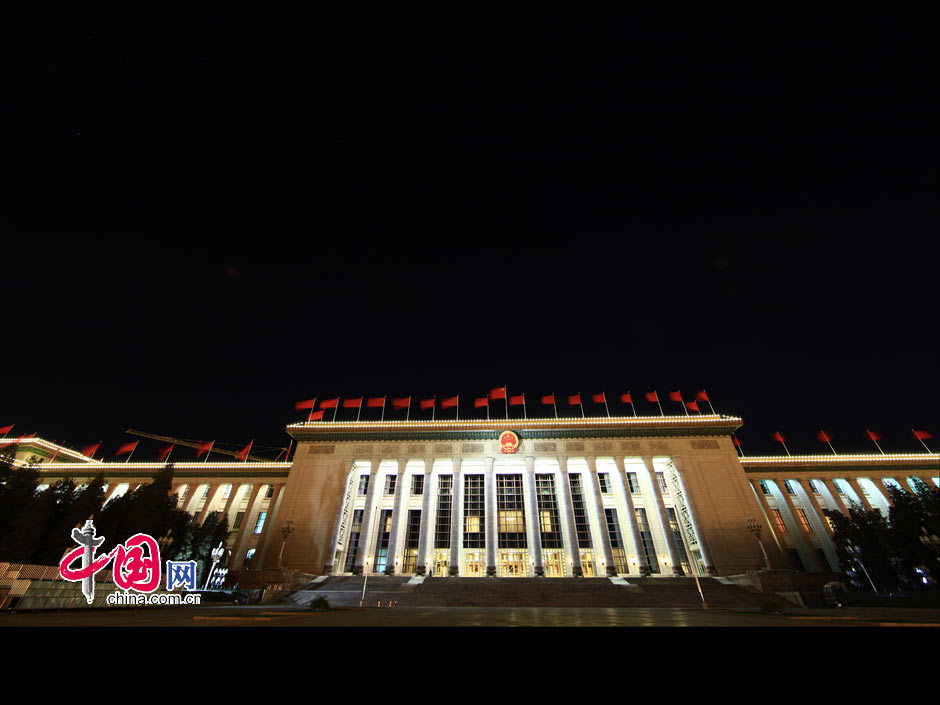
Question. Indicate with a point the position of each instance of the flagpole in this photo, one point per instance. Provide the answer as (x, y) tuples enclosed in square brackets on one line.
[(581, 404), (434, 406), (876, 443), (525, 414), (709, 403), (829, 443), (632, 407), (383, 407), (8, 430), (682, 402), (658, 404), (921, 441), (605, 405), (209, 452), (132, 452), (408, 412), (506, 400), (458, 407), (169, 453), (359, 410), (554, 405), (339, 401)]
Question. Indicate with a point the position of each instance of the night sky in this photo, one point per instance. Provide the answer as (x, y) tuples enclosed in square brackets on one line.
[(215, 214)]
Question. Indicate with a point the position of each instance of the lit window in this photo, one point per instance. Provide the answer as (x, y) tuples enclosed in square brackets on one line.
[(249, 555), (472, 525), (804, 522), (778, 520), (226, 491), (260, 523)]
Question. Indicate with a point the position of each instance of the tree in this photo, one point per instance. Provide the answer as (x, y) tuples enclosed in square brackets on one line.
[(22, 541), (83, 505), (15, 494)]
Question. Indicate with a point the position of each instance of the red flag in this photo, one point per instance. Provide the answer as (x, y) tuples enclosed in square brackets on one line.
[(6, 429), (701, 396), (652, 396), (481, 401), (375, 401), (428, 403), (127, 448), (165, 451), (824, 437), (517, 400), (449, 402), (675, 396), (872, 435), (777, 436), (498, 393), (28, 435), (599, 398), (90, 450), (626, 399), (329, 403), (401, 403), (737, 441), (203, 448), (922, 435), (575, 399), (243, 453), (548, 399), (352, 403), (55, 454), (315, 415), (692, 406), (308, 404)]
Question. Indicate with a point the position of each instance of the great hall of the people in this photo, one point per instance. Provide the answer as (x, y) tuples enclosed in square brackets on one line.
[(591, 497)]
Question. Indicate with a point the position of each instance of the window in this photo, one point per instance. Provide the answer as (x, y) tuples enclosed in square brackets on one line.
[(633, 482), (354, 533), (789, 487), (580, 513), (813, 487), (238, 520), (677, 537), (226, 491), (605, 485), (390, 484), (412, 538), (270, 492), (260, 523), (804, 522), (249, 555), (764, 487), (381, 542), (474, 512), (616, 544), (778, 520), (363, 485), (549, 526), (663, 487), (205, 492), (417, 484), (511, 507), (442, 525), (646, 540)]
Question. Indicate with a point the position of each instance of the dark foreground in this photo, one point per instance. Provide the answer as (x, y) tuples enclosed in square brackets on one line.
[(487, 617)]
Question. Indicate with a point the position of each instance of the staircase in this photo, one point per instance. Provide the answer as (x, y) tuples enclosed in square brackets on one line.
[(346, 591)]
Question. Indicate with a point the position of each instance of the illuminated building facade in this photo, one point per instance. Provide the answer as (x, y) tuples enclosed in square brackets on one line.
[(595, 497)]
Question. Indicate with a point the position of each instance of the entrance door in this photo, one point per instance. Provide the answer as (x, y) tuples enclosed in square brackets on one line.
[(512, 564), (553, 564), (587, 564), (475, 564), (441, 568)]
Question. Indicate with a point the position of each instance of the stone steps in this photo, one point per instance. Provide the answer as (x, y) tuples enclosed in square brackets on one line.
[(530, 592)]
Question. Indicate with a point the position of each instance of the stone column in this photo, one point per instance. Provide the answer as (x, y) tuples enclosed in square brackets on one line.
[(241, 541), (853, 483), (710, 568), (192, 499), (671, 548), (533, 520), (804, 534), (390, 566), (226, 513), (368, 513), (351, 488), (456, 518), (601, 518), (631, 521), (820, 525), (263, 539), (213, 491), (810, 497), (490, 502), (765, 508), (425, 519), (834, 495), (571, 530), (902, 481)]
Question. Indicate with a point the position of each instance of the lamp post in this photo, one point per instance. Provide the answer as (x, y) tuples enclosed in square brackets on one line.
[(286, 531), (755, 528), (216, 554)]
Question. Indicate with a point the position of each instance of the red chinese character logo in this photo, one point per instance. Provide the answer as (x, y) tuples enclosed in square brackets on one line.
[(133, 570)]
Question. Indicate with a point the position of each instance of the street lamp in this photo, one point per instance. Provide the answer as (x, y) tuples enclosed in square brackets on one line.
[(286, 531), (216, 554), (755, 528)]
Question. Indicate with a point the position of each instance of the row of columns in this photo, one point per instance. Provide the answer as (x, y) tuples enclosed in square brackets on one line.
[(814, 514), (368, 530)]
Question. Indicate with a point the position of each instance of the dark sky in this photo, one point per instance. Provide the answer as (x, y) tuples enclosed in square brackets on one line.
[(217, 213)]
